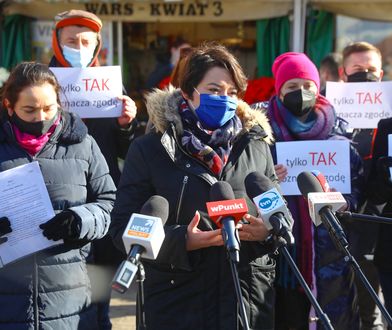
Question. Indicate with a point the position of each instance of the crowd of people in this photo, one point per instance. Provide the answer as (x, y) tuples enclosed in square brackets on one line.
[(199, 132)]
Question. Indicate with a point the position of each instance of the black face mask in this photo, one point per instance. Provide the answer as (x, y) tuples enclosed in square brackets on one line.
[(299, 102), (37, 128), (362, 76)]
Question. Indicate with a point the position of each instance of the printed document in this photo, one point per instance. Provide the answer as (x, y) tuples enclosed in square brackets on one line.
[(25, 201)]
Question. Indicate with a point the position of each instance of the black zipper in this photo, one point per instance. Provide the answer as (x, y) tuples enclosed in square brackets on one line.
[(35, 294), (184, 183)]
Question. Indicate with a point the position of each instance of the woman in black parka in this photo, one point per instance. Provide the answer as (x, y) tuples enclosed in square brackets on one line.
[(379, 192), (50, 289), (203, 133)]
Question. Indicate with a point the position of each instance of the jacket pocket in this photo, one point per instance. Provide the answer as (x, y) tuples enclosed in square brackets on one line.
[(261, 297), (163, 279)]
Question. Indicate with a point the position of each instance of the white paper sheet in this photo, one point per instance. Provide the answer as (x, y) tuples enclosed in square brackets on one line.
[(25, 201), (362, 104), (91, 92), (331, 158)]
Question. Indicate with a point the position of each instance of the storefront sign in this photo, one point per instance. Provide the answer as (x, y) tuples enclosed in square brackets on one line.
[(153, 11)]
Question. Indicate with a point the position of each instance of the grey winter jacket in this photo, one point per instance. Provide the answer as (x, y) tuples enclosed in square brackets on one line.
[(50, 289)]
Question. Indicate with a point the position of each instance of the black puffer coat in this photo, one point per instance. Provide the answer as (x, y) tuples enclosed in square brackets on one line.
[(194, 290), (51, 289), (379, 193)]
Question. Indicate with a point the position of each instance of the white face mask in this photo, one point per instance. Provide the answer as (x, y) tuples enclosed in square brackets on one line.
[(78, 58)]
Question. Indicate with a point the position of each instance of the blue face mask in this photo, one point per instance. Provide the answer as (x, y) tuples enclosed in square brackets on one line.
[(215, 110), (78, 58)]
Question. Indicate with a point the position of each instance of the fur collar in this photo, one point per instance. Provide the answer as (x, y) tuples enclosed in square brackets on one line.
[(162, 107)]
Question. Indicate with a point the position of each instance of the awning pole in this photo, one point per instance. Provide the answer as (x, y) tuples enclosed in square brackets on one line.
[(120, 43), (111, 44), (297, 45)]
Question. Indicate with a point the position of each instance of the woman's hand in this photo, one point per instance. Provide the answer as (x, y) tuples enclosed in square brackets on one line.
[(281, 172), (5, 228), (128, 111), (198, 239), (255, 230)]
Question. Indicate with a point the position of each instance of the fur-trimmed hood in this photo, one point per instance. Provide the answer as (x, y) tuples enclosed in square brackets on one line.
[(162, 107)]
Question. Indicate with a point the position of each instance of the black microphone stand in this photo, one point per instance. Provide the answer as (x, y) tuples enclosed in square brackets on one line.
[(141, 276), (351, 217), (338, 237), (282, 237), (233, 257)]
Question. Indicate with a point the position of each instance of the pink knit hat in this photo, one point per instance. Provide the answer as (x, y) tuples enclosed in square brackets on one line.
[(294, 65)]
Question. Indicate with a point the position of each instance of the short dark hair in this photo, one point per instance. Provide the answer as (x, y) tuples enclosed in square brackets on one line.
[(332, 62), (28, 74), (206, 57), (359, 47)]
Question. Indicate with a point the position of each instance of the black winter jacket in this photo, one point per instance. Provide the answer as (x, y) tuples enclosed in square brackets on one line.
[(51, 289), (379, 193), (194, 290)]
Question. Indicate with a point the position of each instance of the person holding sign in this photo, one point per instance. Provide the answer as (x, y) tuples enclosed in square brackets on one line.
[(76, 43), (298, 112), (50, 289), (362, 62), (203, 134)]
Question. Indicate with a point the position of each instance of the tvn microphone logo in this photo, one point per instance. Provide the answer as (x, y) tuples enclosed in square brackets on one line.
[(269, 200)]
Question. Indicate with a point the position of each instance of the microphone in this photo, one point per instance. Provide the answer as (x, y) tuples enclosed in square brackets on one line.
[(226, 211), (322, 205), (143, 236), (270, 204)]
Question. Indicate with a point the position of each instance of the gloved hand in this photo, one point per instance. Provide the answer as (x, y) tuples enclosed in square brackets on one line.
[(64, 225), (383, 173), (5, 228)]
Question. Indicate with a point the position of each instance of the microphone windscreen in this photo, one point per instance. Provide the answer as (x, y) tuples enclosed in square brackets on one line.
[(156, 206), (220, 191), (257, 184), (308, 183)]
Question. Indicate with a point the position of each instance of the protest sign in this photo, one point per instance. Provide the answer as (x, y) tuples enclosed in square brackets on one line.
[(91, 92), (331, 158), (362, 104)]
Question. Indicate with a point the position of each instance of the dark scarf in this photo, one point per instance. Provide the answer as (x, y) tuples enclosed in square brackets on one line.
[(211, 147), (287, 127)]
